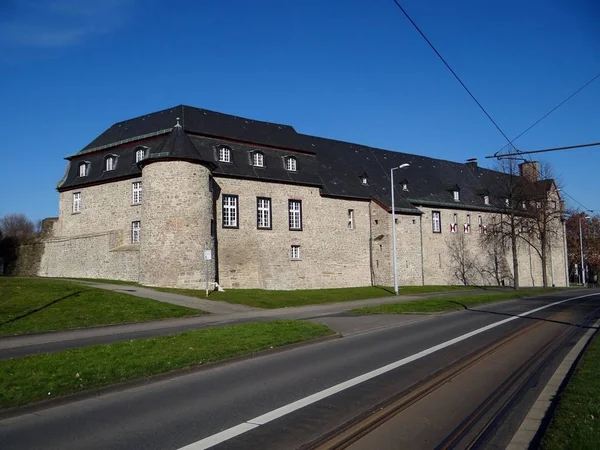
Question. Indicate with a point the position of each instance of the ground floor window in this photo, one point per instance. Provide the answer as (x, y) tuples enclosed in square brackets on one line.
[(135, 231)]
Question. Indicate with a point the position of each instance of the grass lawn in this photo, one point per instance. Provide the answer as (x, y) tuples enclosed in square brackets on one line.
[(576, 421), (44, 376), (30, 305), (450, 302), (279, 299)]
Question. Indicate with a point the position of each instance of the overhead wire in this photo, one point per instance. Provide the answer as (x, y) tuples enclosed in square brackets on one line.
[(453, 72)]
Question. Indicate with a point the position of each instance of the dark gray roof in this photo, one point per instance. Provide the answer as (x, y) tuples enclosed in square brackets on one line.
[(335, 166)]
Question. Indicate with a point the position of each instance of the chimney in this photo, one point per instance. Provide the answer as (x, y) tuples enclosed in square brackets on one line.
[(471, 163), (530, 171)]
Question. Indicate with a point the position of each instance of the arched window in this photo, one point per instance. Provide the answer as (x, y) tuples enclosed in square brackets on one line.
[(110, 162), (258, 159), (84, 169), (224, 154), (291, 164), (140, 153)]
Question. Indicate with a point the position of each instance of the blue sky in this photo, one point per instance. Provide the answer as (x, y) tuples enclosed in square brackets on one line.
[(350, 70)]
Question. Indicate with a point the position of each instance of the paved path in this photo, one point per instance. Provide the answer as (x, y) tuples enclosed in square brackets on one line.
[(210, 306)]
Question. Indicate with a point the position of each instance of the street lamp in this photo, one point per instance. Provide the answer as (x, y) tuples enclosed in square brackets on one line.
[(581, 248), (401, 166)]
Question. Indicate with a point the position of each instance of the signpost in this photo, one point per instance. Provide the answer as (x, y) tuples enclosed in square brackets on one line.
[(207, 258)]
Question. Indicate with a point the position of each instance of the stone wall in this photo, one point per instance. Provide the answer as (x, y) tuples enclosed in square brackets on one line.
[(104, 208), (90, 256), (332, 255)]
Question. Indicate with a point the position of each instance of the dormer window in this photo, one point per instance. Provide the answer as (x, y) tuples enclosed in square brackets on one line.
[(404, 185), (506, 202), (258, 159), (84, 169), (456, 196), (364, 179), (523, 205), (291, 164), (486, 199), (224, 154), (110, 163), (140, 153)]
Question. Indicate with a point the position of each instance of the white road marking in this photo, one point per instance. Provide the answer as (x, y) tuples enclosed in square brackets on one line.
[(250, 424)]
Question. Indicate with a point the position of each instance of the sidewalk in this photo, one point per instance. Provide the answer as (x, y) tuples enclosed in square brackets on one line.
[(210, 306), (17, 346)]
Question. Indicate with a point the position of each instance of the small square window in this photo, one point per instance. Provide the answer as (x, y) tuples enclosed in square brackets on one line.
[(135, 231), (224, 154), (295, 252)]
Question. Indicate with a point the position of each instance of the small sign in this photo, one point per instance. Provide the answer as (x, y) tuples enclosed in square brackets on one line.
[(207, 255)]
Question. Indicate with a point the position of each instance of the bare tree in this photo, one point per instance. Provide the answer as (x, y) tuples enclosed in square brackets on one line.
[(462, 259), (494, 265), (17, 226)]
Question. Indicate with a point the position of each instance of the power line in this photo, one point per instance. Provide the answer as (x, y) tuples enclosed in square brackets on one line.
[(576, 201), (529, 152), (452, 71), (551, 111)]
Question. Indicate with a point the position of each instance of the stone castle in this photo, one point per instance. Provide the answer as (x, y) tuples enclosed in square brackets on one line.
[(186, 196)]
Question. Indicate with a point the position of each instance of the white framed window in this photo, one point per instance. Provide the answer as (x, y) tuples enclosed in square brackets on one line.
[(436, 222), (456, 196), (140, 154), (263, 213), (258, 159), (110, 163), (351, 219), (224, 154), (467, 227), (76, 202), (523, 205), (486, 199), (405, 186), (454, 218), (295, 252), (291, 164), (84, 169), (364, 179), (295, 214), (136, 227), (506, 202), (230, 211), (480, 223), (454, 224), (136, 192)]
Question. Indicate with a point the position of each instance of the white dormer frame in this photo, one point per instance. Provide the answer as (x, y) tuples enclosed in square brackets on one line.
[(486, 199), (224, 154), (291, 164), (140, 153), (364, 179), (456, 195), (258, 159), (84, 169), (110, 162)]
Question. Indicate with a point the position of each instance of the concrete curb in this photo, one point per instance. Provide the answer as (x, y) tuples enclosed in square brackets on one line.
[(539, 413), (130, 384)]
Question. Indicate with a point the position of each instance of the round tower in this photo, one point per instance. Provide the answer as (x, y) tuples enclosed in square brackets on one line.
[(177, 210)]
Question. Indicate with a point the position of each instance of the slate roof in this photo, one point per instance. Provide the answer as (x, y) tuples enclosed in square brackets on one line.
[(335, 166)]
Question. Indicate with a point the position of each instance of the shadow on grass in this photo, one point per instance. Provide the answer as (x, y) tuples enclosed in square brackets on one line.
[(580, 325), (33, 311)]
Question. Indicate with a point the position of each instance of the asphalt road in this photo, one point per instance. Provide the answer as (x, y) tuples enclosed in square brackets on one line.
[(177, 412)]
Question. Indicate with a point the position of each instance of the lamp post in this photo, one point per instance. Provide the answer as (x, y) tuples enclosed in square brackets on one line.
[(401, 166), (581, 248)]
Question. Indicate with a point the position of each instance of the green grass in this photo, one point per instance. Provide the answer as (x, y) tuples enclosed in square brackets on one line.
[(279, 299), (576, 422), (449, 303), (30, 305), (45, 376)]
